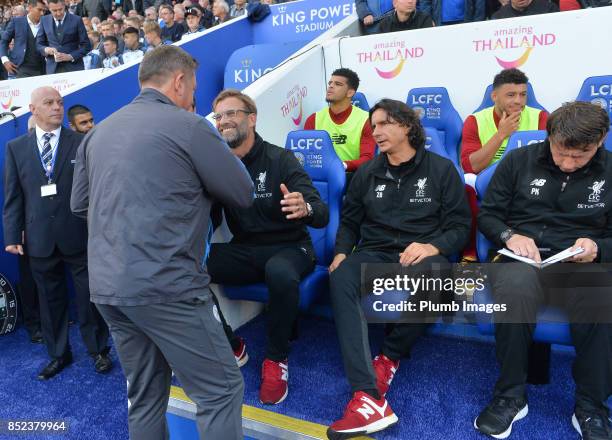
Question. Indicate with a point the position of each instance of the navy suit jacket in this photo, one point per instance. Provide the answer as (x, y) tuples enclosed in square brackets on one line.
[(17, 29), (47, 221), (74, 40)]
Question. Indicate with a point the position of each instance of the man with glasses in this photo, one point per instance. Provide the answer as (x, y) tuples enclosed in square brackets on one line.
[(270, 241)]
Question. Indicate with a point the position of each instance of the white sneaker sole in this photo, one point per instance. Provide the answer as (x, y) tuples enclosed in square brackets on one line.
[(520, 415), (243, 360), (379, 425), (576, 425), (277, 402)]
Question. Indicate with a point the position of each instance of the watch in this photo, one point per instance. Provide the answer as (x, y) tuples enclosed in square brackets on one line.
[(506, 235), (309, 210)]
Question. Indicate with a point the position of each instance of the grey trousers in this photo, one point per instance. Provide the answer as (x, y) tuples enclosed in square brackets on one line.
[(185, 337)]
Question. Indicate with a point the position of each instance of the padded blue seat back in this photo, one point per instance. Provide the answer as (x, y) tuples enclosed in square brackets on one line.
[(488, 102), (608, 141), (359, 100), (434, 144), (315, 151), (437, 111), (597, 90)]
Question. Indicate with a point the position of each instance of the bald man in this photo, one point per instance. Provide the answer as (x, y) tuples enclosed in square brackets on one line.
[(38, 223)]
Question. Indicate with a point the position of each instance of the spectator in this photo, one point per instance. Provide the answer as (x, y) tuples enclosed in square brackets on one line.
[(369, 13), (118, 26), (87, 24), (132, 50), (95, 23), (62, 39), (520, 8), (25, 61), (179, 13), (90, 8), (76, 7), (220, 11), (113, 57), (80, 119), (93, 59), (133, 13), (151, 14), (404, 17), (153, 35), (193, 15), (347, 125), (238, 8), (19, 11), (117, 14), (485, 134), (207, 18), (445, 12), (172, 31), (108, 30)]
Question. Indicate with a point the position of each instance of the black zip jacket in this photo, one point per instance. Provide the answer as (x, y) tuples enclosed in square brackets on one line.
[(264, 223), (426, 204), (531, 195)]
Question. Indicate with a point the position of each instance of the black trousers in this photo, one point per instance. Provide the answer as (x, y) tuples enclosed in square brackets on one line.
[(585, 291), (281, 267), (351, 325), (27, 72), (67, 66), (50, 277), (28, 296)]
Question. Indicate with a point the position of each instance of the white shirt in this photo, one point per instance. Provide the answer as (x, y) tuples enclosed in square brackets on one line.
[(54, 141), (60, 21), (131, 55)]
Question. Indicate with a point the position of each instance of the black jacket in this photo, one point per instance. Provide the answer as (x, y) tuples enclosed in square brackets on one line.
[(531, 195), (536, 7), (426, 205), (417, 20), (264, 222), (47, 221)]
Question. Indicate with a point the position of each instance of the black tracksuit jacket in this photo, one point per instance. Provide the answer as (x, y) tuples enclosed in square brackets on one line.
[(264, 223), (531, 195), (426, 204)]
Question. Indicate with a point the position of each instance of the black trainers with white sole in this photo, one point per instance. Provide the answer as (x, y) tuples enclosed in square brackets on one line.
[(592, 425), (497, 418)]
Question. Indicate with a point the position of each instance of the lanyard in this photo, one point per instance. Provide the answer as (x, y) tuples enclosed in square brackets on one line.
[(49, 170)]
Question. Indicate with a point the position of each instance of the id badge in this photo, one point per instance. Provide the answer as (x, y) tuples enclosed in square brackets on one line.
[(48, 190)]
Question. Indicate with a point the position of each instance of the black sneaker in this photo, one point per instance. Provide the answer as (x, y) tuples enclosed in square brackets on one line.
[(592, 425), (497, 418)]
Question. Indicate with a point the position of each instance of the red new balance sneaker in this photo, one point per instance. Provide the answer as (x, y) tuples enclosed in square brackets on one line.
[(385, 370), (363, 415), (241, 354), (274, 377)]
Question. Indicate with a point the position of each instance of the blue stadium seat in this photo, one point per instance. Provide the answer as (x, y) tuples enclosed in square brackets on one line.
[(434, 144), (608, 141), (359, 100), (488, 102), (315, 151), (437, 111), (597, 90), (552, 324)]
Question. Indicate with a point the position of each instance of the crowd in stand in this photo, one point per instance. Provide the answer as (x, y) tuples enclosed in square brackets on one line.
[(117, 32)]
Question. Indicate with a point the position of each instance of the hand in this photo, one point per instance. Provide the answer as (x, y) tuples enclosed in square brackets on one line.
[(50, 51), (417, 252), (62, 57), (16, 249), (590, 251), (336, 262), (508, 124), (368, 20), (524, 247), (293, 203), (10, 67)]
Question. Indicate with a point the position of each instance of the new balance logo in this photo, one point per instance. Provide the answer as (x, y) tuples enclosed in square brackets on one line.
[(285, 372), (537, 182), (379, 191), (369, 408)]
